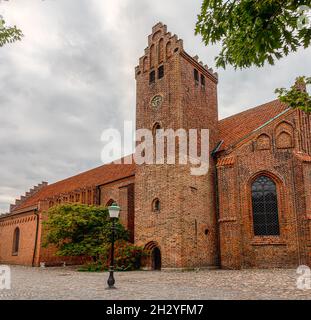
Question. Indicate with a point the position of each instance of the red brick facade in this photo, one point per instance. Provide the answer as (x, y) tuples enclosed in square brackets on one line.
[(280, 150), (188, 221), (27, 224)]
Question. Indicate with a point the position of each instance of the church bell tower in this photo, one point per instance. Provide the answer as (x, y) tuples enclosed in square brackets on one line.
[(175, 215)]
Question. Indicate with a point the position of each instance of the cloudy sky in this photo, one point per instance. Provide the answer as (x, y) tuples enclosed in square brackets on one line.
[(72, 76)]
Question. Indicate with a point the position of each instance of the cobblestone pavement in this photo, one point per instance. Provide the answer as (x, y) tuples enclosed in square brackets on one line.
[(68, 283)]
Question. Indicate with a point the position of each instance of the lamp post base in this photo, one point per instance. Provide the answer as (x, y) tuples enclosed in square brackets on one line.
[(111, 280)]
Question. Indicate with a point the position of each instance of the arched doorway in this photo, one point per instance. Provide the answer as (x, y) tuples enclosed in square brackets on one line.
[(156, 259)]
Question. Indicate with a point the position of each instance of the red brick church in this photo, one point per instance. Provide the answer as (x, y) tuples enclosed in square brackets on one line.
[(253, 208)]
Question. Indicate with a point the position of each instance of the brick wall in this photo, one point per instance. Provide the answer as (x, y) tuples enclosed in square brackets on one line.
[(276, 159), (26, 223), (307, 198), (122, 192)]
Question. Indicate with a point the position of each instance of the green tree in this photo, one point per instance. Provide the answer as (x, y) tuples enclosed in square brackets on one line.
[(81, 230), (296, 97), (253, 32), (9, 34)]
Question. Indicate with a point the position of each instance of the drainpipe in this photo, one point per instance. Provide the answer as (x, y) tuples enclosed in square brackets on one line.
[(36, 238), (217, 215)]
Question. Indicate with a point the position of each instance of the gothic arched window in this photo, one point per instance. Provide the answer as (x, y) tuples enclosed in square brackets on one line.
[(265, 207), (16, 241)]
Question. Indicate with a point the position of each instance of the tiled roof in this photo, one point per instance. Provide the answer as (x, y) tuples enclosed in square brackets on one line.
[(236, 127), (101, 175)]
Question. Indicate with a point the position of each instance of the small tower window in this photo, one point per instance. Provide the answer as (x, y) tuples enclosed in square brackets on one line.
[(202, 80), (156, 205), (155, 128), (161, 72), (196, 75), (152, 77)]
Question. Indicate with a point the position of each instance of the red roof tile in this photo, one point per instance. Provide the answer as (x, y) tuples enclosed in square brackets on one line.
[(236, 127), (101, 175)]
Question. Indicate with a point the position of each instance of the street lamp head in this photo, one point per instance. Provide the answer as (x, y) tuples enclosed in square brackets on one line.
[(114, 211)]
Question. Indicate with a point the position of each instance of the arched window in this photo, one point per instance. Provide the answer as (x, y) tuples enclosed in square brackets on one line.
[(196, 75), (156, 205), (110, 203), (202, 80), (152, 76), (16, 237), (155, 128), (83, 197), (77, 197), (89, 197), (161, 72), (265, 207)]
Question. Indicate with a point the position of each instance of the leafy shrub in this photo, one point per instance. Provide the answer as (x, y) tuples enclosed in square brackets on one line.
[(80, 230), (127, 258)]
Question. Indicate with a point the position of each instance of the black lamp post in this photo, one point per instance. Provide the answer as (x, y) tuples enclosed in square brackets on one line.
[(114, 211)]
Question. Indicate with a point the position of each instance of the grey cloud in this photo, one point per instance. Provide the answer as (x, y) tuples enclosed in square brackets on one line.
[(72, 76)]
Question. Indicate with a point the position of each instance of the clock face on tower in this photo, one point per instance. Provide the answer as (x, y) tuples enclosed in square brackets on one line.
[(156, 101)]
